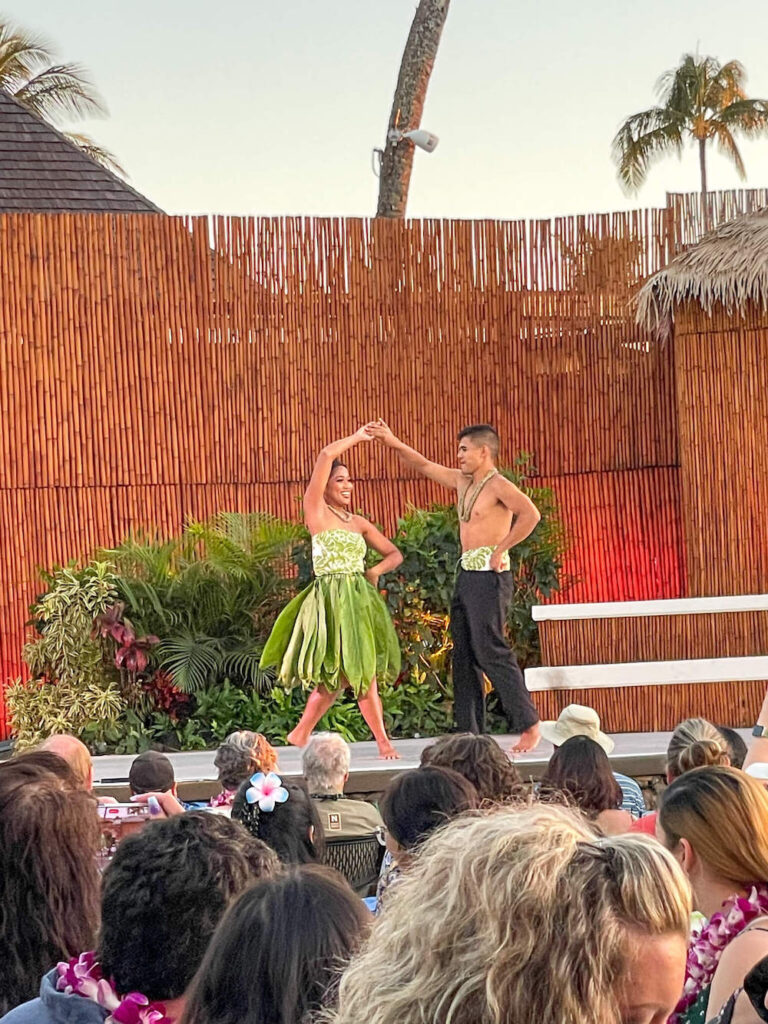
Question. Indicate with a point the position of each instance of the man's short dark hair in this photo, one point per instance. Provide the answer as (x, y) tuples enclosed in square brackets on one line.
[(482, 433), (151, 772), (164, 893), (737, 748)]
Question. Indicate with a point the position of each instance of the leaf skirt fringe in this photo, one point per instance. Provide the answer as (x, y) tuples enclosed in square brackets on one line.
[(337, 630)]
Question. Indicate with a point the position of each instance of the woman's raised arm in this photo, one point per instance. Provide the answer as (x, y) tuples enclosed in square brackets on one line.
[(313, 500)]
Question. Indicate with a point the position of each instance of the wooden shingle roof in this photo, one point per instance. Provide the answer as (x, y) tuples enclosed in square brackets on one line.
[(41, 171)]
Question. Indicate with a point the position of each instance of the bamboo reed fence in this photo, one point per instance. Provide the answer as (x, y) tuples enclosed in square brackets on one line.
[(153, 368), (654, 638), (722, 396)]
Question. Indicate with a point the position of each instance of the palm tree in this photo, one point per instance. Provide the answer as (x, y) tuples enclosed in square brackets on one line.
[(408, 104), (53, 91), (701, 99)]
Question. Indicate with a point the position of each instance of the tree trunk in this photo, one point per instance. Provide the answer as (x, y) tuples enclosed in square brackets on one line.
[(408, 104), (703, 169)]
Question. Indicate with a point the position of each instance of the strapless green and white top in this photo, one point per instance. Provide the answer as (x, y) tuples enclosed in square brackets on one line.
[(338, 551)]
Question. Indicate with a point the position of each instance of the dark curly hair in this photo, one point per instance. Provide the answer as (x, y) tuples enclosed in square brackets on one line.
[(165, 891), (419, 801), (581, 771), (277, 955), (49, 881), (480, 760), (293, 829)]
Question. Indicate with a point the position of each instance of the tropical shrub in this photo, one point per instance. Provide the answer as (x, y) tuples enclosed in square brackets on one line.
[(74, 682), (209, 596)]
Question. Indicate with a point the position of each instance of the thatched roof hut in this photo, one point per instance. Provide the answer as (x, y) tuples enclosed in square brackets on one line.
[(728, 267)]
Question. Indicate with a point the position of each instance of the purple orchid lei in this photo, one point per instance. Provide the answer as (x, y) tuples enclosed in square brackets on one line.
[(83, 977), (707, 945)]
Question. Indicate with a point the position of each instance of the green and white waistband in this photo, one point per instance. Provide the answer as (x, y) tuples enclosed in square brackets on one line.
[(479, 560)]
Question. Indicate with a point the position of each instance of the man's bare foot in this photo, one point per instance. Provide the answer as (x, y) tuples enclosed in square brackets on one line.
[(388, 753), (529, 740), (297, 737)]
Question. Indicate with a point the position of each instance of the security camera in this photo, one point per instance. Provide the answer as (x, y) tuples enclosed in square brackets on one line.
[(424, 140)]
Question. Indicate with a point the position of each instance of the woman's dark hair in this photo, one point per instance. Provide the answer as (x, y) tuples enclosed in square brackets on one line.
[(480, 760), (292, 829), (277, 955), (165, 892), (49, 881), (337, 464), (421, 800), (580, 769)]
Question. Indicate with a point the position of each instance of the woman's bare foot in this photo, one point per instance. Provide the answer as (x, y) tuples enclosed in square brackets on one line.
[(298, 737), (529, 740), (388, 752)]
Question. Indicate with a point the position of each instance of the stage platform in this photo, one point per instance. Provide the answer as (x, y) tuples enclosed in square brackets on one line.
[(636, 754)]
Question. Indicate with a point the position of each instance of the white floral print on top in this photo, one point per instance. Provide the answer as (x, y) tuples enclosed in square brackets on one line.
[(479, 560), (338, 551)]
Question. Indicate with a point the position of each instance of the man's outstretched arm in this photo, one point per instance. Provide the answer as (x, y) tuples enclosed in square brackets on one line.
[(443, 475)]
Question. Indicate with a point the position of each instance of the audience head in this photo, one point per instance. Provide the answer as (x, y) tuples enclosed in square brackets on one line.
[(480, 760), (45, 760), (165, 892), (325, 763), (419, 801), (736, 747), (694, 744), (240, 755), (49, 881), (580, 769), (292, 829), (151, 772), (278, 952), (715, 821), (576, 720), (75, 753), (525, 915)]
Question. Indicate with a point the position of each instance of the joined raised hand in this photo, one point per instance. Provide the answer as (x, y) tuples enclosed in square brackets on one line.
[(380, 430), (364, 433)]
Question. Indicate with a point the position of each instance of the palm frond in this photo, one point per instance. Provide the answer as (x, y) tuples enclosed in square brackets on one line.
[(642, 139), (192, 661), (749, 116), (242, 665), (146, 557), (21, 55), (61, 90), (727, 145), (95, 152)]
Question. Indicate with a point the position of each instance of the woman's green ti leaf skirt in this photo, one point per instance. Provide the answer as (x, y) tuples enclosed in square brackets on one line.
[(337, 629)]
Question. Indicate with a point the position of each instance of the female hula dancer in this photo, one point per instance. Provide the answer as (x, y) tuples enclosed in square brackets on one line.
[(337, 633)]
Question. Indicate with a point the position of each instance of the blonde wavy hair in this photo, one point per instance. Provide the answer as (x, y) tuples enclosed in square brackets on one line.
[(516, 915), (694, 744)]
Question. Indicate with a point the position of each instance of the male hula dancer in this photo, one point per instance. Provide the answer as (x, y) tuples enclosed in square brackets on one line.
[(494, 515)]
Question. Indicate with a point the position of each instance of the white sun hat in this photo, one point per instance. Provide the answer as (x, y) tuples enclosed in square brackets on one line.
[(576, 720)]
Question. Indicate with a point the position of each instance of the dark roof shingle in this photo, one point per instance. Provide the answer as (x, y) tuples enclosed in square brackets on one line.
[(41, 171)]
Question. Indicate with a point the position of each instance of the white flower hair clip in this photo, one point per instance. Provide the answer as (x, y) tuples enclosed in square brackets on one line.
[(266, 791)]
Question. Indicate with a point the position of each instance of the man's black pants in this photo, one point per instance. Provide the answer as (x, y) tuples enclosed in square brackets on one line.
[(478, 614)]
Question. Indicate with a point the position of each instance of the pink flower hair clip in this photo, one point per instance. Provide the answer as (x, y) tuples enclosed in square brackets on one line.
[(266, 791)]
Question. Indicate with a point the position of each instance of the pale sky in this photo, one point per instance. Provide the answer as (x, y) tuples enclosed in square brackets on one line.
[(274, 106)]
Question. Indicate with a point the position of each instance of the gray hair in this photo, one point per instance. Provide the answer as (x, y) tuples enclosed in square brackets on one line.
[(325, 762), (242, 753)]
